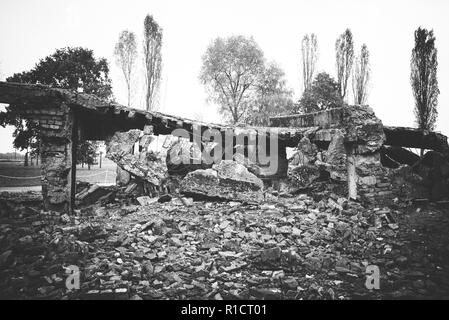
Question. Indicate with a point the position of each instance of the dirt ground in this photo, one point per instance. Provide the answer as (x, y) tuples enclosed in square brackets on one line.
[(289, 248)]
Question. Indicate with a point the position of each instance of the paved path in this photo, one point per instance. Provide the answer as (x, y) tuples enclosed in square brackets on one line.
[(20, 189), (39, 188)]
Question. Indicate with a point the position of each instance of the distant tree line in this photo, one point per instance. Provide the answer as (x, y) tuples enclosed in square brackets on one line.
[(322, 91), (248, 88)]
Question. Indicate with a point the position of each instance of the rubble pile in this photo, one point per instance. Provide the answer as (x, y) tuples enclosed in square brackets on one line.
[(304, 247), (137, 163), (433, 167), (184, 156), (88, 193), (225, 180)]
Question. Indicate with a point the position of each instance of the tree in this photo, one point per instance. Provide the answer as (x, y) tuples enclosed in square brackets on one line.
[(271, 96), (125, 55), (67, 68), (344, 48), (323, 94), (424, 79), (71, 68), (25, 135), (360, 76), (152, 45), (230, 68), (86, 153), (309, 55)]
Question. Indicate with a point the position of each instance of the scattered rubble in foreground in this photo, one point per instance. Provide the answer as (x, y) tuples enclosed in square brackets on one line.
[(294, 247)]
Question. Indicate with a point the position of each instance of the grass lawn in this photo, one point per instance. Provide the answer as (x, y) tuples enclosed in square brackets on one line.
[(23, 174), (30, 176)]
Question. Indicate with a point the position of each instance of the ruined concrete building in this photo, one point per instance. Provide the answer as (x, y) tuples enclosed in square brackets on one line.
[(348, 143)]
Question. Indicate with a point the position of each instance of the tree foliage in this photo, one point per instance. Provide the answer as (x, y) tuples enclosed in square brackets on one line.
[(361, 76), (344, 49), (152, 45), (86, 152), (71, 68), (125, 53), (271, 96), (67, 68), (25, 134), (423, 78), (230, 68), (309, 56), (323, 94)]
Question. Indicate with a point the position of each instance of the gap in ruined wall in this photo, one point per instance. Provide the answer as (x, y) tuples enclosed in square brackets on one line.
[(95, 174), (393, 157), (162, 161)]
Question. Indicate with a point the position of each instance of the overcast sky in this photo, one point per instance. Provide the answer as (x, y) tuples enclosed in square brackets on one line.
[(33, 29)]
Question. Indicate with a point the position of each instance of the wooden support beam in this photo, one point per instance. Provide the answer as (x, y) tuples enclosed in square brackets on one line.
[(415, 138)]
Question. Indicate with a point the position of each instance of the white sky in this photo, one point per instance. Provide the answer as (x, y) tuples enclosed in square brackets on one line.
[(31, 29)]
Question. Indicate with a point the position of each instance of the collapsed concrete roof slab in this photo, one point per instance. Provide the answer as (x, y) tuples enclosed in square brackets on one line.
[(101, 118), (351, 117), (65, 117), (359, 125), (415, 138)]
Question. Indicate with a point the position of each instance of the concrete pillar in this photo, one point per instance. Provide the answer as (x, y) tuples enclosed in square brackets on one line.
[(282, 161), (351, 173)]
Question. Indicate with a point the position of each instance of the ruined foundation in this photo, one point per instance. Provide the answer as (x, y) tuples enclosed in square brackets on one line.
[(347, 144)]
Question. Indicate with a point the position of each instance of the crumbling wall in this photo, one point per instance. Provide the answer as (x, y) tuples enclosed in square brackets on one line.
[(347, 146), (56, 166)]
